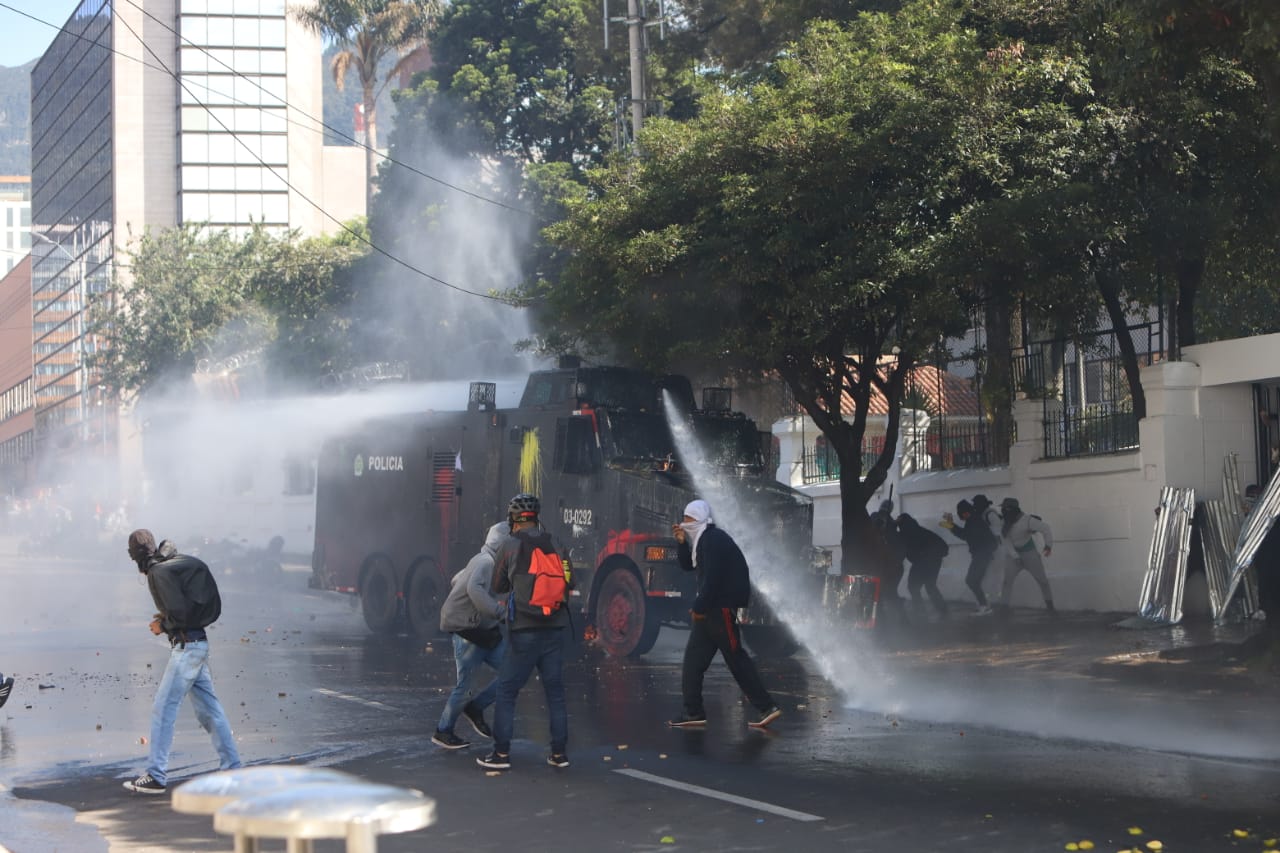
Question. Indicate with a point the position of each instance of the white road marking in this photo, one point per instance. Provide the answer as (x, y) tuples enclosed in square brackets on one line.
[(758, 805), (369, 702)]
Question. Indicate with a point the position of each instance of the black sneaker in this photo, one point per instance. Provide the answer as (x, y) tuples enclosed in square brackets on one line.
[(766, 718), (495, 761), (475, 717), (684, 721), (144, 784), (6, 687), (449, 740), (558, 759)]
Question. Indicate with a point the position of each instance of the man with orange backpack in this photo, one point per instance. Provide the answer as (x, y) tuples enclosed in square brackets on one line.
[(537, 577)]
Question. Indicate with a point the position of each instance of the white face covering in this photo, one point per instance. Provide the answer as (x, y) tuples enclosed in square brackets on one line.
[(700, 512)]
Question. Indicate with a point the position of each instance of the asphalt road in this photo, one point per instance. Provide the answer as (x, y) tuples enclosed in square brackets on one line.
[(1000, 743)]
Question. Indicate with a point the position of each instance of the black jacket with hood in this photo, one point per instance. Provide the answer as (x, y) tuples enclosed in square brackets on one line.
[(920, 545), (723, 577), (183, 589)]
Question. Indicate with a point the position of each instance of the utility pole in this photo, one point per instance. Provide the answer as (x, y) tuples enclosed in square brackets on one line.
[(635, 40), (636, 24)]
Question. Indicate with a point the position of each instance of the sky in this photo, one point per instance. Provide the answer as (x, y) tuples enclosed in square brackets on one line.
[(22, 39)]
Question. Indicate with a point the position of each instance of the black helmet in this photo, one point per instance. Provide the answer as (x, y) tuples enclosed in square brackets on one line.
[(524, 507)]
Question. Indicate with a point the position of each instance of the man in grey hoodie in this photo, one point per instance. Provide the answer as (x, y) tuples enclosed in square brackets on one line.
[(472, 613)]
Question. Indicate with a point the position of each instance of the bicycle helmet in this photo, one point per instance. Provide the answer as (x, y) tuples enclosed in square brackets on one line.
[(524, 507)]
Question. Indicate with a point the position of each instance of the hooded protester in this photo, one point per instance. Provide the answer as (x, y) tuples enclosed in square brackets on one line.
[(1020, 553), (473, 615), (891, 552), (724, 585), (925, 551), (187, 601), (974, 532)]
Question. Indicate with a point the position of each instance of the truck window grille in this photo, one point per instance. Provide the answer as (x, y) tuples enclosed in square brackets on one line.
[(443, 476)]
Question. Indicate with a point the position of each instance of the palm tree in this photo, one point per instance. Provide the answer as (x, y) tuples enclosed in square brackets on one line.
[(369, 31)]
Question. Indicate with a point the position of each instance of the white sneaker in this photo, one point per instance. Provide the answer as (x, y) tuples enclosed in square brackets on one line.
[(984, 610)]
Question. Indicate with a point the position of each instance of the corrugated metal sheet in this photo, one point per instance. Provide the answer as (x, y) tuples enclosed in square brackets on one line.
[(1161, 598), (1255, 529), (1218, 532), (1232, 494)]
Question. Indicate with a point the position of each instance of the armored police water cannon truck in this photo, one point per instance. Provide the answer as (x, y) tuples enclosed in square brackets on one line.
[(402, 502)]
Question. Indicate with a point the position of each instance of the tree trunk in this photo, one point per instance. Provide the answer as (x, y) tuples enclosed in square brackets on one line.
[(1110, 291), (997, 380), (1189, 271), (371, 144)]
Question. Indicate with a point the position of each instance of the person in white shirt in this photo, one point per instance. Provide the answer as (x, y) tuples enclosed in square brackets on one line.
[(1020, 550)]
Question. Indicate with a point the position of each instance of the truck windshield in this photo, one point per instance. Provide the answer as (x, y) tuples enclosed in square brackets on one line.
[(639, 436), (729, 442)]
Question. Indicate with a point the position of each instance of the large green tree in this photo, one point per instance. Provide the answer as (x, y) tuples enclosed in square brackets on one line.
[(800, 225), (187, 295)]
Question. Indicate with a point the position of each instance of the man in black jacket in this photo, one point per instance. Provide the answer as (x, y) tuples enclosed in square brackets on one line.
[(724, 585), (925, 551), (982, 542), (187, 600)]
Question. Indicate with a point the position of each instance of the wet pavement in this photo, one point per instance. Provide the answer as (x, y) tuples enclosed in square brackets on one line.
[(974, 734)]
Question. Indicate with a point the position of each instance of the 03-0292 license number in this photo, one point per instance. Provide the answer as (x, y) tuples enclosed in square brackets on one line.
[(581, 517)]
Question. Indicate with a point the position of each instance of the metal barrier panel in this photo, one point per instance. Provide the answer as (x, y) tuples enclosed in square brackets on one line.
[(1162, 587), (1218, 535), (1256, 527)]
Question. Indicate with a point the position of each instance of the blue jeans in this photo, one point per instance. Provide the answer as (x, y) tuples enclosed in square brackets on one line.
[(540, 648), (469, 658), (188, 673)]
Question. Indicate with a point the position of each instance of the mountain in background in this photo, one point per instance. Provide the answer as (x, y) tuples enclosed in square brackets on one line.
[(15, 119)]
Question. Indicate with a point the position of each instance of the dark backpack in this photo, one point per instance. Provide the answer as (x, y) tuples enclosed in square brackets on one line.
[(538, 585), (199, 588)]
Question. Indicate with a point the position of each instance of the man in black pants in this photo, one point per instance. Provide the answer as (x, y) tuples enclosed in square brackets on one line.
[(724, 585), (925, 551)]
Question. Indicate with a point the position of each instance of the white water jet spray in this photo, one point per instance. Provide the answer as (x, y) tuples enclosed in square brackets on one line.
[(868, 682), (842, 654)]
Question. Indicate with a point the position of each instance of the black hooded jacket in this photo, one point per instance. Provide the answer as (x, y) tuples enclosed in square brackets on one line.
[(184, 592), (920, 545), (723, 577)]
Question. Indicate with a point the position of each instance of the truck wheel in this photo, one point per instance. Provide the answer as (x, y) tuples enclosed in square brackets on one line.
[(378, 595), (769, 641), (626, 626), (422, 602)]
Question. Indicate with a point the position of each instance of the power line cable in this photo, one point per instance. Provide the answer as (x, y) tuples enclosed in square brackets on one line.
[(394, 258)]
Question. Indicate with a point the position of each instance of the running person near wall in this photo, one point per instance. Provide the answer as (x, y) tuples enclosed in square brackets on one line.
[(1020, 551)]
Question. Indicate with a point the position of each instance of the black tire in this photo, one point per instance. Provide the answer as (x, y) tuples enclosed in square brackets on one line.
[(769, 641), (378, 599), (423, 599), (626, 626)]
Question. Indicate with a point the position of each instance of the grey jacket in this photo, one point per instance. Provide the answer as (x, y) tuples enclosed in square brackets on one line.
[(470, 604)]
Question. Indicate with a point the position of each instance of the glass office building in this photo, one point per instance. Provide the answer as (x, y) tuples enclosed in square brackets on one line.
[(72, 214)]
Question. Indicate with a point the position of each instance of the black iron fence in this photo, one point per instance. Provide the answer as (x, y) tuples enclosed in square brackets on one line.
[(1088, 403), (961, 443), (821, 465)]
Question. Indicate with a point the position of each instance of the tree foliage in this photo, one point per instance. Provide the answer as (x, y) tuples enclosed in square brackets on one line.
[(803, 225), (188, 294)]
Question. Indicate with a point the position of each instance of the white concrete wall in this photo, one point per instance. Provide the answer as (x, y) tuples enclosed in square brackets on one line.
[(1101, 508)]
